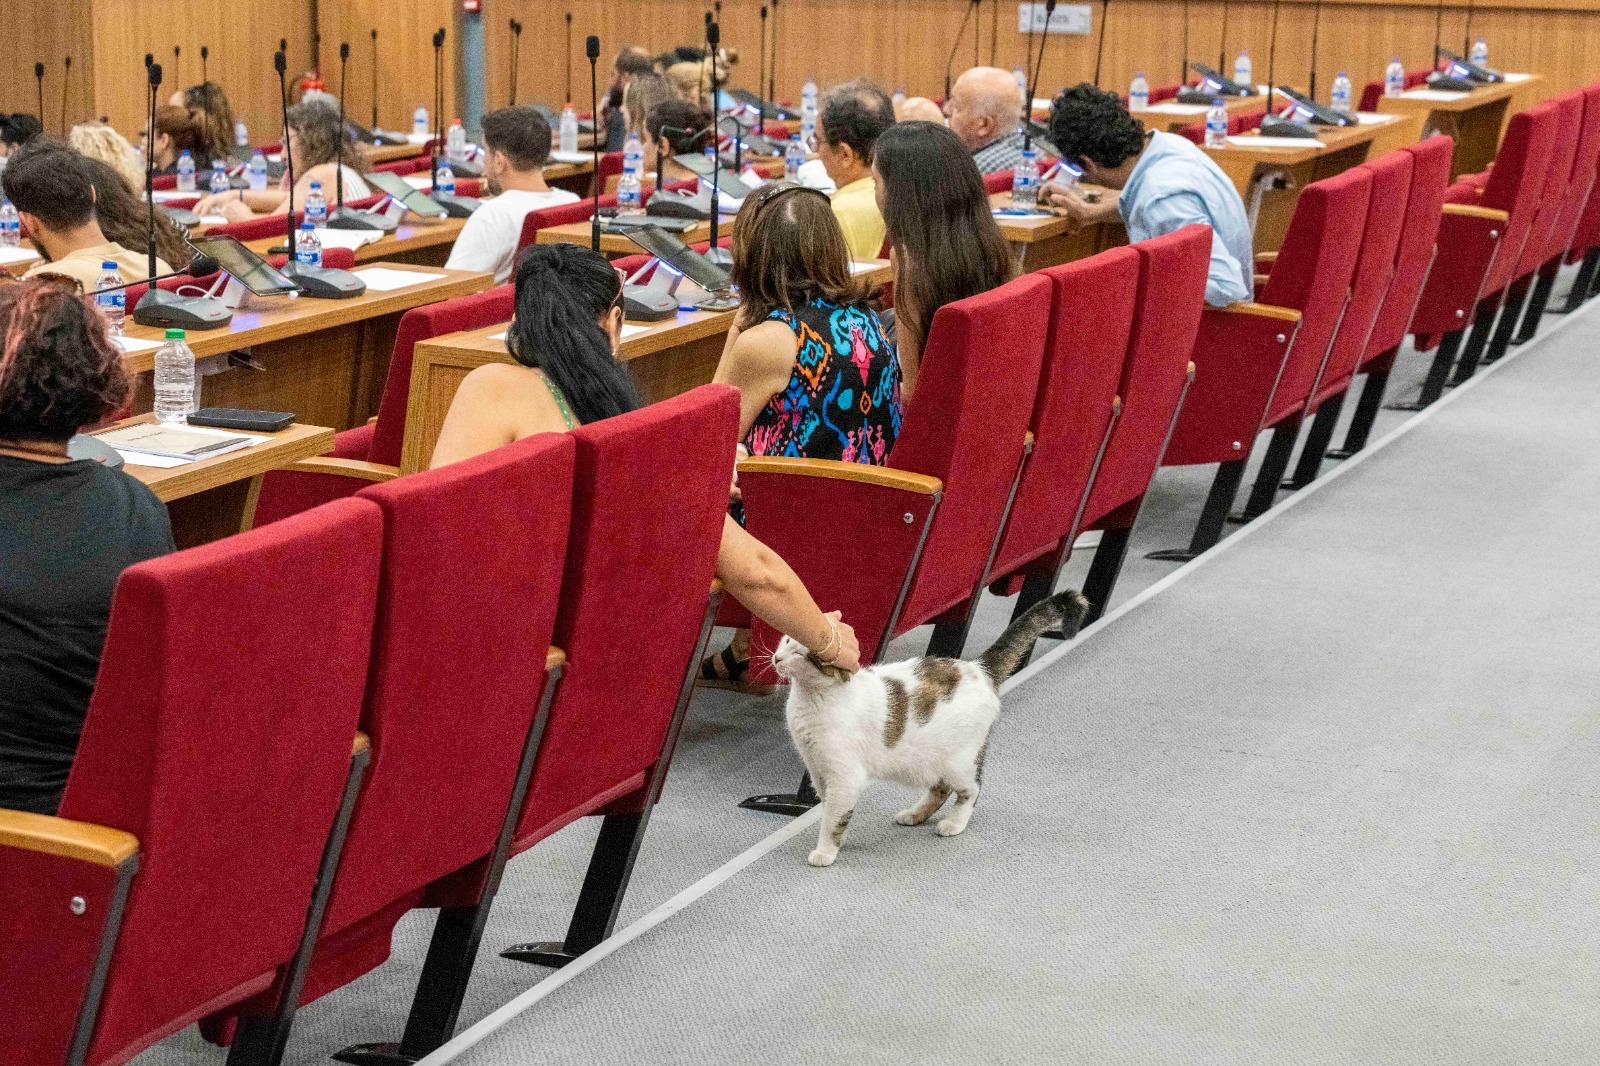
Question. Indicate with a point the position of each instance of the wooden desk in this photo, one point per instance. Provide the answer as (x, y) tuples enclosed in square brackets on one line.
[(1270, 179), (573, 177), (20, 267), (325, 360), (616, 244), (1474, 119), (389, 153), (1051, 240), (424, 244), (1171, 116), (216, 498), (665, 359)]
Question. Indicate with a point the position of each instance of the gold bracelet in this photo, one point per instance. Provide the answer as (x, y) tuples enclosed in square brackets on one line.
[(832, 641)]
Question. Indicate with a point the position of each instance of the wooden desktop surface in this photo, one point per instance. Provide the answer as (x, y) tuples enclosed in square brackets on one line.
[(216, 497), (1166, 116), (665, 359), (1050, 240), (325, 360), (1476, 119), (425, 244), (20, 267)]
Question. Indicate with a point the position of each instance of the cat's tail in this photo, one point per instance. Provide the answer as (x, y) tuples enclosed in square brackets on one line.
[(1064, 611)]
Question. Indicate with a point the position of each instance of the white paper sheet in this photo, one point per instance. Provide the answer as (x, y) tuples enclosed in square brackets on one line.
[(348, 238), (1434, 94), (418, 138), (166, 196), (1274, 142), (495, 337), (136, 344), (1514, 78), (1372, 118), (18, 255), (571, 157), (167, 462), (1166, 108), (629, 330), (382, 279), (421, 182)]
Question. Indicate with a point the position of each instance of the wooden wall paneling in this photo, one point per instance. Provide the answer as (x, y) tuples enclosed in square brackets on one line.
[(405, 62), (48, 31)]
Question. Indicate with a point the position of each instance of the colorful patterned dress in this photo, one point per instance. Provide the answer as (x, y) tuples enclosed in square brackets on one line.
[(843, 397)]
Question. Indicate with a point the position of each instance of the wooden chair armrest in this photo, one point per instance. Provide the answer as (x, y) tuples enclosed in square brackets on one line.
[(353, 468), (1246, 307), (360, 743), (71, 840), (882, 476), (372, 420), (1262, 279), (1266, 257), (1474, 211), (554, 658)]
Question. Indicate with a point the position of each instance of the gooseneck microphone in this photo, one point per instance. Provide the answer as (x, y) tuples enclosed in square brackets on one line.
[(343, 217), (1466, 35), (1183, 72), (205, 56), (177, 51), (200, 266), (761, 75), (772, 67), (38, 75), (153, 77), (1222, 44), (66, 78), (513, 55), (715, 252), (591, 48), (1033, 83), (595, 118), (374, 79), (955, 46), (1099, 46), (438, 105), (314, 281), (1316, 32)]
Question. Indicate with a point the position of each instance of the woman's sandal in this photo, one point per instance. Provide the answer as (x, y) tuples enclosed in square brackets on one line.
[(726, 670)]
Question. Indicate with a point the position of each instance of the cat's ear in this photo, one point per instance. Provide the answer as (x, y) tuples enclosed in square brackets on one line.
[(837, 673)]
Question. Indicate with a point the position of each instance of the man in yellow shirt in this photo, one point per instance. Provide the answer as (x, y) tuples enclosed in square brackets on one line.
[(52, 193), (851, 119)]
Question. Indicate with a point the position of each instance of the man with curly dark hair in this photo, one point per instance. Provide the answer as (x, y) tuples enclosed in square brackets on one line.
[(68, 528), (1164, 183)]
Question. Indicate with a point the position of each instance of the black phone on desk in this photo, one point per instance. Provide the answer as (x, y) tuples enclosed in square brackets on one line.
[(242, 418)]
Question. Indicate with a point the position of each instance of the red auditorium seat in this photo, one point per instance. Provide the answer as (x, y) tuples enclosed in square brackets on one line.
[(210, 787), (473, 555), (1585, 247), (1481, 237), (1564, 230), (1414, 257), (1074, 415), (1391, 177), (1374, 89), (998, 183), (561, 215), (372, 452)]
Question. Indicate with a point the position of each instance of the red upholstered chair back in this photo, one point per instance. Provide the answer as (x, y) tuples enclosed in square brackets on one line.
[(610, 167), (1557, 178), (650, 494), (1587, 232), (222, 741), (998, 183), (415, 165), (1430, 176), (1516, 183), (1164, 92), (1166, 317), (966, 425), (559, 215), (472, 562), (1374, 270), (1374, 90), (1580, 179), (419, 324), (253, 229), (1313, 275), (1090, 323)]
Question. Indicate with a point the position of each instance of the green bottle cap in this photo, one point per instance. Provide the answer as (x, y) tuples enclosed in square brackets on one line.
[(175, 334)]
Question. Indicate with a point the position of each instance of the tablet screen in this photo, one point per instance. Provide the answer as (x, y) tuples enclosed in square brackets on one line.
[(414, 199), (680, 257), (252, 271)]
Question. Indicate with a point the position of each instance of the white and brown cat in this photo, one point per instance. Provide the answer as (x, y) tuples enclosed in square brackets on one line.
[(922, 722)]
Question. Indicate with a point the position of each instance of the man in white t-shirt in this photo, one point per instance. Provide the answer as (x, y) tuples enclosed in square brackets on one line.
[(516, 143)]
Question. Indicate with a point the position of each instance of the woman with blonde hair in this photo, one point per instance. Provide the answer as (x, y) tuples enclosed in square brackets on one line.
[(97, 141)]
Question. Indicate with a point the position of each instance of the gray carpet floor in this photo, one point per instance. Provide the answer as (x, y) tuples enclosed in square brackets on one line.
[(1326, 799)]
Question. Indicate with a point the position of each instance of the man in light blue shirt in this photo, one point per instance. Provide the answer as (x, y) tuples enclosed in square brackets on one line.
[(1164, 183)]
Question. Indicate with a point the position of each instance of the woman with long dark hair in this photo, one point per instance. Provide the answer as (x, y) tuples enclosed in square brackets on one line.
[(945, 242), (563, 340), (125, 220), (209, 104)]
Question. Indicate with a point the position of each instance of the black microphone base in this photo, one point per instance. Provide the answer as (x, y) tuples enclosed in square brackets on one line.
[(323, 283), (722, 257), (464, 169), (350, 218), (168, 310), (643, 304), (1196, 96), (1282, 127), (1451, 85)]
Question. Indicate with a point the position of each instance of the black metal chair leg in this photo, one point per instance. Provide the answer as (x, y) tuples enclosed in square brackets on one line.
[(1213, 516), (1316, 446), (1355, 438), (1438, 374), (793, 804), (610, 868), (1537, 305), (1478, 340), (1505, 326), (1582, 285), (1103, 572), (1280, 449)]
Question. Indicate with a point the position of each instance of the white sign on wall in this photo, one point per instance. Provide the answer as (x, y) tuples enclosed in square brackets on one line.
[(1068, 18)]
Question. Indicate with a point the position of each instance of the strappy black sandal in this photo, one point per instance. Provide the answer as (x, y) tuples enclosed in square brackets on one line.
[(726, 670)]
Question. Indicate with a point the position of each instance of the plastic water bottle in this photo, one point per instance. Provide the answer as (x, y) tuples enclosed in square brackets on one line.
[(1216, 124), (1480, 52), (808, 111), (419, 121), (1340, 97), (1394, 79), (241, 134), (307, 247), (316, 206), (1139, 93), (794, 158), (569, 129), (1022, 86), (455, 142), (633, 155), (114, 305), (10, 225), (1243, 71), (176, 385), (444, 182), (219, 177), (185, 172), (257, 171), (1025, 180)]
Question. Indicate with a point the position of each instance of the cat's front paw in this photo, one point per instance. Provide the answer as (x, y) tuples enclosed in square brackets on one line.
[(822, 858), (910, 816), (950, 827)]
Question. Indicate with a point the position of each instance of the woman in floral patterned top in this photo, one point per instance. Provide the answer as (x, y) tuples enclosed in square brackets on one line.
[(816, 376)]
